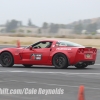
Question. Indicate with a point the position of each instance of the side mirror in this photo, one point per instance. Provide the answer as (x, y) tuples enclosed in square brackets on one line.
[(30, 47)]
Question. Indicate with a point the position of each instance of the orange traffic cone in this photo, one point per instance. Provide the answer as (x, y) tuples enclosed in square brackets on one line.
[(81, 93), (18, 44)]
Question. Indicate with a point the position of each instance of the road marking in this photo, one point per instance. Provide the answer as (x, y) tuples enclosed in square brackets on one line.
[(40, 72), (34, 82)]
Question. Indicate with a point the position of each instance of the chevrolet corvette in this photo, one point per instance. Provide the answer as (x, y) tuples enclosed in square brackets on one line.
[(58, 53)]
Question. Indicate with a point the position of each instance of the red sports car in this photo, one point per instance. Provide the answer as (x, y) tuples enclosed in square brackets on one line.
[(58, 53)]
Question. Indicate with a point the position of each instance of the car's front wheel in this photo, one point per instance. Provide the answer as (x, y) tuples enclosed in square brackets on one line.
[(60, 61), (27, 65), (6, 59)]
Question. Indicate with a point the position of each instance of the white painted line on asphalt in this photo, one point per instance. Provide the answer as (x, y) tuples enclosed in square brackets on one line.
[(40, 72), (34, 82), (81, 73), (13, 71), (49, 84)]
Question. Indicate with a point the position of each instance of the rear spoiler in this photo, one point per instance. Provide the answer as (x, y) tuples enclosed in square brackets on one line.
[(88, 47)]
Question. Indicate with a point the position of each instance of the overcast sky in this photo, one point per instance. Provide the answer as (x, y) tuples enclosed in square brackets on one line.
[(56, 11)]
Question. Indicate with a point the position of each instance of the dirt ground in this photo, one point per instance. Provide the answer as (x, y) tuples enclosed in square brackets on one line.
[(30, 40)]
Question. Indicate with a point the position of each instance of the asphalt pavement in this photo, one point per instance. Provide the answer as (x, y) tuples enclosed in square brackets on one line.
[(47, 77)]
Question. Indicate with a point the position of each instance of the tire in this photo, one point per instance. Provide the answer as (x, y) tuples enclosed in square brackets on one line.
[(27, 65), (60, 61), (6, 59), (81, 66)]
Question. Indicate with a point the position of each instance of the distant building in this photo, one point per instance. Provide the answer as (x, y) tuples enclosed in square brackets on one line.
[(45, 31), (65, 31), (27, 29), (84, 31), (2, 29), (98, 31)]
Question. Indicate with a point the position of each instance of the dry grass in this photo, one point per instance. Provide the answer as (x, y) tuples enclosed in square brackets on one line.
[(30, 40)]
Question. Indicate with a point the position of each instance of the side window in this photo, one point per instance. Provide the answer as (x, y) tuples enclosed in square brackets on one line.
[(42, 45), (61, 44)]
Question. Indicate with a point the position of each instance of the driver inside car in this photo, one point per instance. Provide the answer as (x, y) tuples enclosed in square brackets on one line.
[(43, 45)]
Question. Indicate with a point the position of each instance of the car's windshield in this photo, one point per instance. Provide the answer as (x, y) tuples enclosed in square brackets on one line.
[(68, 43)]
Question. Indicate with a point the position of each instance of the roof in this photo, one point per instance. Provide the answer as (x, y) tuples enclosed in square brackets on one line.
[(64, 43), (51, 40)]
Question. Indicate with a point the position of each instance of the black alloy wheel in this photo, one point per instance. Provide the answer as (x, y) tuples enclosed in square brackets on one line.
[(60, 61), (6, 59)]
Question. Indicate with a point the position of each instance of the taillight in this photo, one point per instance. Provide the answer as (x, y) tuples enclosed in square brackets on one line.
[(81, 50), (94, 50)]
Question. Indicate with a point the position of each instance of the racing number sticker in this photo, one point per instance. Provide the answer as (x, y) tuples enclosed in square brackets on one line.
[(36, 56)]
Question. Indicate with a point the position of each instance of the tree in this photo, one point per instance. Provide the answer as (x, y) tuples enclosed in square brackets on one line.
[(29, 31), (20, 23), (13, 31), (39, 30), (45, 25), (78, 28), (62, 26), (7, 23), (92, 27), (54, 28), (30, 22), (93, 33), (69, 26), (11, 25), (21, 31)]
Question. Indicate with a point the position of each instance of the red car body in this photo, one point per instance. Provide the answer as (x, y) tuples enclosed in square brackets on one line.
[(44, 56)]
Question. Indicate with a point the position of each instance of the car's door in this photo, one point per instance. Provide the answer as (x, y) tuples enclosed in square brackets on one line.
[(39, 54)]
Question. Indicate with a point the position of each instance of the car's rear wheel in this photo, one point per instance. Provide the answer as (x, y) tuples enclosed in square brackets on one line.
[(60, 61), (27, 65), (6, 59), (81, 66)]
